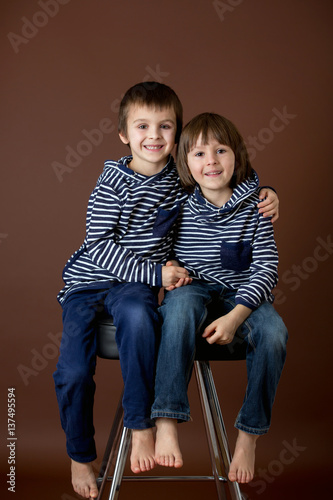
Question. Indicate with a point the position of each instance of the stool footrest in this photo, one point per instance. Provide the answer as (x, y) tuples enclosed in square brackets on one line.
[(168, 478)]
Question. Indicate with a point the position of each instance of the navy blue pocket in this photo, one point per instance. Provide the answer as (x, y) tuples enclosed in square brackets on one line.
[(165, 219), (236, 256)]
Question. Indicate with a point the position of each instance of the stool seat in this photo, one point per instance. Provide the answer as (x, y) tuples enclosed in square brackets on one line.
[(107, 346)]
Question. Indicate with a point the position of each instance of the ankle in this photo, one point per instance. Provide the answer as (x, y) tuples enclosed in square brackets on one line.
[(247, 438), (166, 423), (142, 434)]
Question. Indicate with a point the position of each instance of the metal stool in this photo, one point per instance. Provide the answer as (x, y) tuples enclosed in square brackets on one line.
[(120, 437)]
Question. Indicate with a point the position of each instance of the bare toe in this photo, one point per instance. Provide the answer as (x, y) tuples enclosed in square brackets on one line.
[(143, 449), (167, 451), (242, 464), (83, 479)]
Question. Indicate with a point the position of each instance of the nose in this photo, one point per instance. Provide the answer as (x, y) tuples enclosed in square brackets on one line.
[(211, 159), (154, 132)]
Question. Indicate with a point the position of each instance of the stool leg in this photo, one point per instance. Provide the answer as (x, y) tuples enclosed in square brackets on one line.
[(113, 440), (120, 463), (215, 424), (215, 420), (111, 448), (220, 430), (211, 436)]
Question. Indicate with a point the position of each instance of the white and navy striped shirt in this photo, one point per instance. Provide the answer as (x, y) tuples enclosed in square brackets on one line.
[(129, 228), (232, 245)]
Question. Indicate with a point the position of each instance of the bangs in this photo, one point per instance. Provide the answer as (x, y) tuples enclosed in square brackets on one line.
[(208, 126)]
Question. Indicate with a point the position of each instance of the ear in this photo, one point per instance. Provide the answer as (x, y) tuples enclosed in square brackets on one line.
[(123, 138)]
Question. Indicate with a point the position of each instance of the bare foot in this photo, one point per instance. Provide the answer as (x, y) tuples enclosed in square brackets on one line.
[(143, 449), (167, 451), (83, 480), (242, 464)]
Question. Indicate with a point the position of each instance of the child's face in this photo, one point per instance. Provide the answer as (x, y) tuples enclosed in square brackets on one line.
[(212, 166), (151, 136)]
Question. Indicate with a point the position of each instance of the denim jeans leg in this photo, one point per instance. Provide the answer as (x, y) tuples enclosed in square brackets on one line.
[(74, 382), (266, 352), (134, 310), (183, 310)]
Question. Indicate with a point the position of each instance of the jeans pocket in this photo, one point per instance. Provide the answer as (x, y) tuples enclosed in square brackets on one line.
[(236, 256)]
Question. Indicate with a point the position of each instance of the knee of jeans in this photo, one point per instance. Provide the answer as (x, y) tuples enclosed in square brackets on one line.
[(137, 318), (182, 302), (276, 335), (75, 375), (138, 310)]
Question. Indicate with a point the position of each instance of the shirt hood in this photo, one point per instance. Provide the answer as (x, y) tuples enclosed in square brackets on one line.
[(122, 165)]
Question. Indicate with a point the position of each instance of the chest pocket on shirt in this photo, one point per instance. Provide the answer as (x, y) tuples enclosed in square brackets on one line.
[(236, 256), (165, 219)]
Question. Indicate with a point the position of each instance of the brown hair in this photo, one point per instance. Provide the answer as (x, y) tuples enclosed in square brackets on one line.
[(151, 94), (224, 131)]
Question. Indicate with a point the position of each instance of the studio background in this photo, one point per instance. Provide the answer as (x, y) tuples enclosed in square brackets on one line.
[(266, 65)]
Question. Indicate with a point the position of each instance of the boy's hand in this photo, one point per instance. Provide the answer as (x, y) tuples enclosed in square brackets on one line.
[(270, 206), (174, 276), (222, 330)]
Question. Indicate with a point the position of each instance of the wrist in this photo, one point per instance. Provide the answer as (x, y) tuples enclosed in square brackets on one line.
[(158, 275), (240, 313)]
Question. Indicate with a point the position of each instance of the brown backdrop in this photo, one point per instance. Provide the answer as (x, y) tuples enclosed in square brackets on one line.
[(65, 64)]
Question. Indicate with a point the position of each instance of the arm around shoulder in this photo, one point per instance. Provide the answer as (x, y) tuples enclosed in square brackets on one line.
[(269, 207)]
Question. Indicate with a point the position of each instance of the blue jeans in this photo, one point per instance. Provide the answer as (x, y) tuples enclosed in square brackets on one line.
[(134, 310), (184, 311)]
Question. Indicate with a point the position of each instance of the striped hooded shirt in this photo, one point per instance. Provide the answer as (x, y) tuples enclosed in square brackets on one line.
[(233, 245), (129, 228)]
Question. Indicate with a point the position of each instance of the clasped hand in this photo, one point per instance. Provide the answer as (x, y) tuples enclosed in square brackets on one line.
[(174, 276)]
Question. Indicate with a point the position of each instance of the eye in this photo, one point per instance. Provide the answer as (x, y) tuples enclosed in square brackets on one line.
[(142, 126), (199, 153), (165, 126), (221, 151)]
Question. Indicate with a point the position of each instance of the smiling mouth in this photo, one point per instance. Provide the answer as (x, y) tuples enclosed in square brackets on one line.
[(153, 148), (215, 173)]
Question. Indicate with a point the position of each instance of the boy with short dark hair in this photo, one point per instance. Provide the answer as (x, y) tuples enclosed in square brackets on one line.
[(119, 269)]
